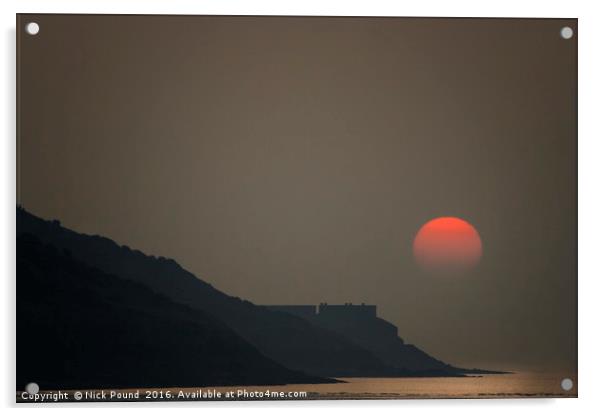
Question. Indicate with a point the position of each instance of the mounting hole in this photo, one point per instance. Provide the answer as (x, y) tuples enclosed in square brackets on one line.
[(32, 388), (566, 384), (32, 28), (566, 32)]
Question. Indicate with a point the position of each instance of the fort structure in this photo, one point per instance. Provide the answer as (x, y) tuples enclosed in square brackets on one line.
[(347, 310), (359, 319)]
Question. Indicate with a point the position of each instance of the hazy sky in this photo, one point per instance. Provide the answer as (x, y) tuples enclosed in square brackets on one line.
[(292, 160)]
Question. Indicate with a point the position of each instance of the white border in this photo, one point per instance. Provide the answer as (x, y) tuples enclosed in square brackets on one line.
[(590, 183)]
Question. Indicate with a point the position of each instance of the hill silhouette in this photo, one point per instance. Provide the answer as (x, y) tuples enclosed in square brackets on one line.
[(291, 341), (78, 327)]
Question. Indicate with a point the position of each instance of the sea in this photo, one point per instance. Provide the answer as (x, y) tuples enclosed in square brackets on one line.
[(513, 385)]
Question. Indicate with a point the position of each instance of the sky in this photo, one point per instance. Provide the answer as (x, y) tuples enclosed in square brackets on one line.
[(291, 160)]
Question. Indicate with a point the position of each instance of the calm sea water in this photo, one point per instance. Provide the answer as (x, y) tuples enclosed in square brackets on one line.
[(487, 386), (496, 385)]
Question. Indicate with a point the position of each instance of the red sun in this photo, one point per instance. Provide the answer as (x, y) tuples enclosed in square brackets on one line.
[(447, 244)]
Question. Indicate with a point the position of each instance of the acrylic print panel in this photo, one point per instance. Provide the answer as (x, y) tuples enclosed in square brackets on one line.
[(289, 208)]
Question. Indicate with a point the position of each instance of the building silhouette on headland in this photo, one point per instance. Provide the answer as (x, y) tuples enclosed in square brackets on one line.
[(344, 310), (360, 319)]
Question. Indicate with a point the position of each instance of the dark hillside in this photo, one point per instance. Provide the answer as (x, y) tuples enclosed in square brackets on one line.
[(78, 327)]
